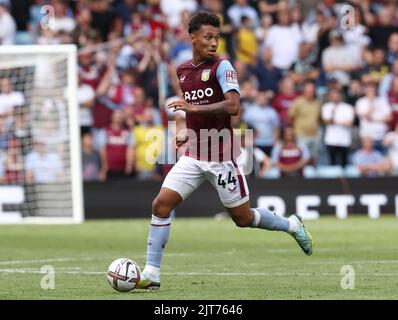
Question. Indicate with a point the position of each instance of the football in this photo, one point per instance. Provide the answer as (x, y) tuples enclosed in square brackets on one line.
[(123, 274)]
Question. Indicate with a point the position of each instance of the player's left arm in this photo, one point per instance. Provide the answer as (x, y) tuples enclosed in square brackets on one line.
[(228, 80), (229, 106)]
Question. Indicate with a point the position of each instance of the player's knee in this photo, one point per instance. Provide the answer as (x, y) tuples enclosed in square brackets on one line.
[(160, 209)]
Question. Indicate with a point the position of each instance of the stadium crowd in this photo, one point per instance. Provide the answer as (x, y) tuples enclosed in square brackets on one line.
[(318, 86)]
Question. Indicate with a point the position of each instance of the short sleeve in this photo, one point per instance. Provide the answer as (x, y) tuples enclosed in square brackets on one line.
[(275, 153), (131, 140), (275, 119), (305, 152), (227, 77), (102, 138)]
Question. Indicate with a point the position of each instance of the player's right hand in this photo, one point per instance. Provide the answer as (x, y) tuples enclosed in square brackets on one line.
[(180, 141)]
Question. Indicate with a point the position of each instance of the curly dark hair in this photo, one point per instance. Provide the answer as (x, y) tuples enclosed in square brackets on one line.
[(203, 18)]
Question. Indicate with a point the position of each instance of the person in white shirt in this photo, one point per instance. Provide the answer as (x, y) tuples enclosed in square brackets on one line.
[(9, 99), (239, 9), (42, 166), (338, 60), (374, 113), (391, 142), (173, 9), (338, 117), (7, 25), (284, 40), (86, 100)]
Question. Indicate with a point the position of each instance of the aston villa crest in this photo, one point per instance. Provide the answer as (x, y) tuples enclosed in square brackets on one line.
[(205, 75)]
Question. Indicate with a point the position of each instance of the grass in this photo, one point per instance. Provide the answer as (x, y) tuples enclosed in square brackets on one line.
[(205, 259)]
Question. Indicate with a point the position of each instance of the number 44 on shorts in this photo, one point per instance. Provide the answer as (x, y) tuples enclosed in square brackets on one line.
[(231, 179)]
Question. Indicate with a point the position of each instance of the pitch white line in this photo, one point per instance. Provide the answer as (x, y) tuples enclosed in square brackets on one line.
[(68, 259), (251, 274), (40, 260), (355, 262)]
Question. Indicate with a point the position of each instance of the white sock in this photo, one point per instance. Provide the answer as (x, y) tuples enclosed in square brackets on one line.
[(256, 218), (293, 225), (154, 272)]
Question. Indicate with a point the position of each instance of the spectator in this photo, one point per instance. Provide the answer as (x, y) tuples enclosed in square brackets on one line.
[(13, 164), (117, 148), (284, 100), (7, 24), (20, 12), (225, 42), (338, 60), (305, 115), (376, 68), (312, 28), (369, 161), (284, 40), (262, 30), (105, 19), (391, 143), (93, 169), (304, 68), (385, 83), (356, 36), (145, 164), (246, 50), (264, 119), (43, 166), (381, 31), (108, 99), (338, 117), (4, 135), (266, 74), (173, 9), (242, 70), (392, 51), (9, 99), (20, 131), (61, 21), (290, 156), (354, 91), (48, 36), (182, 50), (327, 8), (239, 9), (374, 115), (271, 7), (84, 33), (86, 100), (393, 101), (148, 70)]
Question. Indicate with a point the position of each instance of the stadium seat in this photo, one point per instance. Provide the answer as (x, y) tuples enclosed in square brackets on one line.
[(329, 171), (309, 172), (352, 172), (272, 173), (23, 38)]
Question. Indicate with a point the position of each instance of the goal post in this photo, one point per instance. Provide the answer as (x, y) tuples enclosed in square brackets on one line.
[(40, 150)]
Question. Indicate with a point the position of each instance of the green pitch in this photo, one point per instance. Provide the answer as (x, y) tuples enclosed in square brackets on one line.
[(205, 259)]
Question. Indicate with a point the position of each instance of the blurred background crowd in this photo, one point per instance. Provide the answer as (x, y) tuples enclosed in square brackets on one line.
[(318, 86)]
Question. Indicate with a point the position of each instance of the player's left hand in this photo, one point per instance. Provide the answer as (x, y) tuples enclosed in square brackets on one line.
[(181, 105)]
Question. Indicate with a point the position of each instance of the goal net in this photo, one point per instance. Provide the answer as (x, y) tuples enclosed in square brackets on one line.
[(40, 177)]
